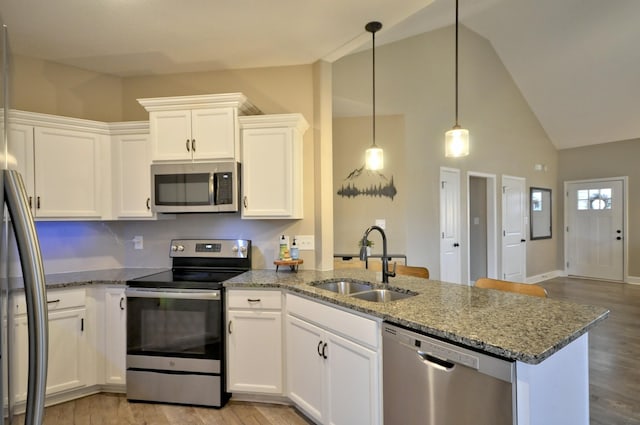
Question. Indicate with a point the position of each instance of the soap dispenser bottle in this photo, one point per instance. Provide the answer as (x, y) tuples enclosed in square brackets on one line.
[(283, 248), (295, 253)]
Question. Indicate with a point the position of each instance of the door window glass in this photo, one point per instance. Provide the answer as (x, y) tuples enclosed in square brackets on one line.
[(594, 199)]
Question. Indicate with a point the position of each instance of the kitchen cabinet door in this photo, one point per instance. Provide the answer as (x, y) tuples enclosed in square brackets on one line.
[(353, 394), (305, 367), (115, 336), (20, 146), (132, 176), (272, 157), (170, 135), (214, 133), (67, 173), (254, 351), (67, 351)]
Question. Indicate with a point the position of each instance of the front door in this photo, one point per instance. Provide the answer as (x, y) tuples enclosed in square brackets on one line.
[(514, 254), (595, 233)]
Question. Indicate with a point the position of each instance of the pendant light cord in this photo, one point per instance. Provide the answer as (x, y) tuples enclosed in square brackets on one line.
[(456, 63), (373, 66)]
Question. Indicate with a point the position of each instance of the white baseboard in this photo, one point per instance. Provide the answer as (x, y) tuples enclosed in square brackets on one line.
[(545, 276), (634, 280)]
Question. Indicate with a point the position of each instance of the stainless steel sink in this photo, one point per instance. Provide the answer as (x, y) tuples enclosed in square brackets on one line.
[(344, 287), (381, 295)]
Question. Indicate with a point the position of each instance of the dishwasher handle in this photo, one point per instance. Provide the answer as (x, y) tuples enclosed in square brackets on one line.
[(436, 362)]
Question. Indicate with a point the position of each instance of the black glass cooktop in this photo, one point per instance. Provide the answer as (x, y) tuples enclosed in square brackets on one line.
[(186, 278)]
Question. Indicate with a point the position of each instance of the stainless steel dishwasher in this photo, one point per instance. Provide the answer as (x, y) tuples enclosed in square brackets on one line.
[(430, 382)]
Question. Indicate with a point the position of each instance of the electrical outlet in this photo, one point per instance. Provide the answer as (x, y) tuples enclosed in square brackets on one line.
[(305, 242), (138, 242)]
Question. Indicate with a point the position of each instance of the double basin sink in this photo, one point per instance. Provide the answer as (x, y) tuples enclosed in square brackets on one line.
[(362, 291)]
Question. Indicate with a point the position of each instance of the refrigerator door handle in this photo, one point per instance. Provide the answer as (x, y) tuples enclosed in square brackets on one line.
[(35, 293)]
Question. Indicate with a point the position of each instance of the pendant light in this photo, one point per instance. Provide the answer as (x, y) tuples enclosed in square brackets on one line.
[(457, 139), (373, 157)]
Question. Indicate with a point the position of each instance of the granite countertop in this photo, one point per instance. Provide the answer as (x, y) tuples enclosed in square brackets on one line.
[(513, 326), (92, 277)]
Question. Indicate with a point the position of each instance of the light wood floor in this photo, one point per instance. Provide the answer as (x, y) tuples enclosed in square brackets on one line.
[(114, 409), (614, 367), (614, 347)]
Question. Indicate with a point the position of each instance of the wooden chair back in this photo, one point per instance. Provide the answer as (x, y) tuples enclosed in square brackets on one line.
[(376, 265), (503, 285), (403, 270)]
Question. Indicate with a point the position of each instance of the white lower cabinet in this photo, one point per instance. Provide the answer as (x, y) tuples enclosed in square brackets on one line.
[(115, 335), (67, 343), (254, 341), (333, 363)]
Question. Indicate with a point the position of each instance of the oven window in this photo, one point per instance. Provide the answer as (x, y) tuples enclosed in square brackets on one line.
[(182, 189), (174, 328)]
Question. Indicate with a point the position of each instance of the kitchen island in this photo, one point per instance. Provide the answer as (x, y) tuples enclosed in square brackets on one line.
[(546, 338)]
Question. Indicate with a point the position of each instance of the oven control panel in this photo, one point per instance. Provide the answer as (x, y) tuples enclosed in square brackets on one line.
[(210, 248)]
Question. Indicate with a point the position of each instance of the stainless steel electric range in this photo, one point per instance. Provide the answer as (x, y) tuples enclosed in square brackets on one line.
[(175, 324)]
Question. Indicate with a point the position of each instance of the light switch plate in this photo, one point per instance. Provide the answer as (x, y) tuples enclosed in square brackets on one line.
[(305, 242)]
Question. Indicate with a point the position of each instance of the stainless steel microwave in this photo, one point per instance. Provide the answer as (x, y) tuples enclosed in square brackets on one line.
[(195, 187)]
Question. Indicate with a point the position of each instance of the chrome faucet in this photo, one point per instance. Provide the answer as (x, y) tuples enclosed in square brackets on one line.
[(385, 260)]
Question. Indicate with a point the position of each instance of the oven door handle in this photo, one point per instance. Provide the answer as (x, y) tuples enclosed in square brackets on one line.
[(204, 295)]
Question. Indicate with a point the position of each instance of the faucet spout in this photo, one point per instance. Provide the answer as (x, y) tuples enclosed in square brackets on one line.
[(385, 260)]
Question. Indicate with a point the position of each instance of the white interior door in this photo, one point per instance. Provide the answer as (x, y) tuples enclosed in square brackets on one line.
[(514, 253), (595, 229), (450, 262)]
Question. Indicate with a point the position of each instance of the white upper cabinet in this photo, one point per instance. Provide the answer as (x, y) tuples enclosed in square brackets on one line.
[(272, 156), (196, 128), (131, 175), (65, 165)]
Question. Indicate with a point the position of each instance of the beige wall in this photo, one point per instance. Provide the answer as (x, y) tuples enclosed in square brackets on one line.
[(352, 215), (52, 88), (415, 78), (607, 160)]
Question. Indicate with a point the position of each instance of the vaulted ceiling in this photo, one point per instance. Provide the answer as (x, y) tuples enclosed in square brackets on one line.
[(575, 61)]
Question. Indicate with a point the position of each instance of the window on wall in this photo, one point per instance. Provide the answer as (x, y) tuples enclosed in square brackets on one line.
[(594, 199)]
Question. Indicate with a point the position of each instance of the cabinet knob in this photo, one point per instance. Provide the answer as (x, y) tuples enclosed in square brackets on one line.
[(188, 148)]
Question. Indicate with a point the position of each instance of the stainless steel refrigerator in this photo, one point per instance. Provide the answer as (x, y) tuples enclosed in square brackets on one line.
[(18, 234)]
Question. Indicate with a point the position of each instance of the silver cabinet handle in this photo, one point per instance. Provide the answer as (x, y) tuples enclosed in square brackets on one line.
[(188, 149)]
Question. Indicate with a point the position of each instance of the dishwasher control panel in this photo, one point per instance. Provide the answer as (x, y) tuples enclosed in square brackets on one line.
[(446, 353)]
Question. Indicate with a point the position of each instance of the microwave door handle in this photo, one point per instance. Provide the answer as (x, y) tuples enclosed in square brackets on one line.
[(213, 190)]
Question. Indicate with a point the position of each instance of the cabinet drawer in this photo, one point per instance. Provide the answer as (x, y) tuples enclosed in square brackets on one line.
[(254, 299), (356, 328), (56, 300)]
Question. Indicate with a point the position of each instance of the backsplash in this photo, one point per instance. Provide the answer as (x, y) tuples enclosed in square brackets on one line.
[(81, 246)]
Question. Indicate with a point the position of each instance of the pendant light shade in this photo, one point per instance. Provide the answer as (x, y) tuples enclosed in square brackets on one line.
[(457, 139), (374, 157)]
